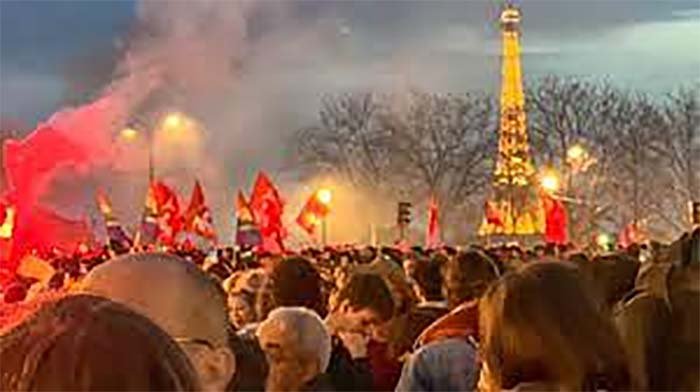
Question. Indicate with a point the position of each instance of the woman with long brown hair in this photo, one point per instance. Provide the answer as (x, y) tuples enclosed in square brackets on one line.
[(542, 329), (86, 343)]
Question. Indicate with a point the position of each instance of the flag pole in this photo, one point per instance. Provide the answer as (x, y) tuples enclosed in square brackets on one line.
[(151, 168)]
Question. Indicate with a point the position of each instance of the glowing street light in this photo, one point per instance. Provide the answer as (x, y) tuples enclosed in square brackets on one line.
[(603, 240), (549, 180), (129, 134), (575, 153), (173, 121), (324, 195)]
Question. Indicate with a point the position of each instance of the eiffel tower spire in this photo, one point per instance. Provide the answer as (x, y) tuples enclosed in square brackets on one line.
[(514, 207)]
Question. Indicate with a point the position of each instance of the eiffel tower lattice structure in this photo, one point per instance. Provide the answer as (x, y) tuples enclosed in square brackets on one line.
[(514, 207)]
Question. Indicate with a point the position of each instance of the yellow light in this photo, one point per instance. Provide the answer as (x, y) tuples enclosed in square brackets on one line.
[(324, 195), (550, 181), (173, 120), (603, 240), (7, 227), (312, 219), (129, 134), (575, 152)]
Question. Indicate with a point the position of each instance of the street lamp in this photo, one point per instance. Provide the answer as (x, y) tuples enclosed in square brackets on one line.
[(578, 158), (173, 120), (324, 196), (575, 152), (549, 180), (162, 131), (129, 134), (603, 240)]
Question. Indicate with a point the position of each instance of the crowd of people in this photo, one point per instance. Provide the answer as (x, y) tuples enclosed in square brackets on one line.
[(358, 318)]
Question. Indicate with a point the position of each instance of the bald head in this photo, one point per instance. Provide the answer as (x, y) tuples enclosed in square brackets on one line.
[(174, 293)]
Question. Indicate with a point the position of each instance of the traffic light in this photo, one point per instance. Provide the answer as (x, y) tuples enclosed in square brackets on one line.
[(404, 215)]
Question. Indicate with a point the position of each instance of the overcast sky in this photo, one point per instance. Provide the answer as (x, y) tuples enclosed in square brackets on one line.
[(437, 46)]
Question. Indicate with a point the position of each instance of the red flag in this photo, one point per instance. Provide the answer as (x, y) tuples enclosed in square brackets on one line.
[(104, 205), (50, 230), (493, 214), (633, 233), (308, 221), (268, 207), (432, 235), (198, 219), (313, 213), (247, 233), (163, 209), (556, 221)]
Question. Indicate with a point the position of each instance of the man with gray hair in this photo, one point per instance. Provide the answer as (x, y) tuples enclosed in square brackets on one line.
[(181, 299), (298, 349)]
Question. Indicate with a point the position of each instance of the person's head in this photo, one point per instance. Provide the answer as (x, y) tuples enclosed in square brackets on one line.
[(295, 282), (428, 278), (178, 297), (363, 303), (542, 324), (241, 308), (467, 276), (613, 276), (83, 342), (297, 346)]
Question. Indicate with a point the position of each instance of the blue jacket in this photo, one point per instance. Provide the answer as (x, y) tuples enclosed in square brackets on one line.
[(444, 365)]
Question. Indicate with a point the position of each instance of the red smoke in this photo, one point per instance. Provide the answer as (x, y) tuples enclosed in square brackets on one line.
[(71, 140)]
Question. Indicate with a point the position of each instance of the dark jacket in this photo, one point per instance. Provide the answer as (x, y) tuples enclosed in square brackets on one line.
[(319, 384), (251, 364), (658, 323), (421, 317), (345, 373)]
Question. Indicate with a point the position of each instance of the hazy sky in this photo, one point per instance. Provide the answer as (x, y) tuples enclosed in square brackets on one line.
[(438, 46), (252, 87)]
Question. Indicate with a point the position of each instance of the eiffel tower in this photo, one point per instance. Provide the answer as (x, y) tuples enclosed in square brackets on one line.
[(514, 207)]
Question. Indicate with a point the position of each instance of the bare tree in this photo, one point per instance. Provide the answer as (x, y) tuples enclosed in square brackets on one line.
[(563, 113), (639, 180), (346, 141), (407, 146), (443, 142), (644, 152), (681, 149), (443, 146)]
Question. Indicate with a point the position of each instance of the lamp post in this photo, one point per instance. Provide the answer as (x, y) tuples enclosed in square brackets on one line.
[(171, 123), (549, 181), (324, 196)]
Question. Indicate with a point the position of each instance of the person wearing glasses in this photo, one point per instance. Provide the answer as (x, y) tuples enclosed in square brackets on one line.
[(181, 299)]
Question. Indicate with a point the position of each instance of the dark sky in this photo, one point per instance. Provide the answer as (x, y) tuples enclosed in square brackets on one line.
[(439, 46)]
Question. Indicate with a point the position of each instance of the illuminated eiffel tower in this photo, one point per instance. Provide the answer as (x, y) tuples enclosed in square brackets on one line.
[(514, 207)]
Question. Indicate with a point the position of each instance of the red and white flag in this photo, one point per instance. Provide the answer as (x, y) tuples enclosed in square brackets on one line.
[(268, 207), (432, 233), (198, 219)]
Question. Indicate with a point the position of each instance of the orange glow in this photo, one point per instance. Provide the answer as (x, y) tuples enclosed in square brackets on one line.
[(7, 227), (324, 195), (173, 120), (312, 219), (129, 134), (575, 152), (550, 181)]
